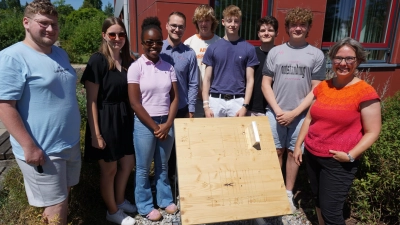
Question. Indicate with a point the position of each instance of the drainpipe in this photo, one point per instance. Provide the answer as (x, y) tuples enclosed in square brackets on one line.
[(126, 17)]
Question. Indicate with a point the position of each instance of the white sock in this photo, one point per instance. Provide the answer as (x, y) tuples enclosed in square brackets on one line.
[(289, 193)]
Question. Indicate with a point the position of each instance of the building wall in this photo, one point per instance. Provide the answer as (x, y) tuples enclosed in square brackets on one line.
[(161, 9), (386, 78), (318, 7), (396, 45)]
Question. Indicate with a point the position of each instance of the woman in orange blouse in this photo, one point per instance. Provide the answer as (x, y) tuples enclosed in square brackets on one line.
[(344, 120)]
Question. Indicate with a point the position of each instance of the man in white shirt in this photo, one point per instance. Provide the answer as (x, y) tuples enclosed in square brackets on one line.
[(206, 24)]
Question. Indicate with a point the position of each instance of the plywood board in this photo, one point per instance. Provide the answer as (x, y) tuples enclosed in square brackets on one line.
[(222, 177)]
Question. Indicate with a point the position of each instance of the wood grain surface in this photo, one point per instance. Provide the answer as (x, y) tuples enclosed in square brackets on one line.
[(222, 177)]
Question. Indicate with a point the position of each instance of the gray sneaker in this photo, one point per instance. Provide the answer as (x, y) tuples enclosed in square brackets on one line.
[(120, 218)]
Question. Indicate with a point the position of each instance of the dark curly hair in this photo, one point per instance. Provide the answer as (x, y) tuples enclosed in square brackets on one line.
[(151, 23)]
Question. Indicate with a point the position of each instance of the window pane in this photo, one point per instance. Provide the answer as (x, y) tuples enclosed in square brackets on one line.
[(377, 55), (251, 12), (375, 21), (338, 20)]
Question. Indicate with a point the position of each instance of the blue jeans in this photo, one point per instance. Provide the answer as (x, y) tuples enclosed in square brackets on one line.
[(147, 147)]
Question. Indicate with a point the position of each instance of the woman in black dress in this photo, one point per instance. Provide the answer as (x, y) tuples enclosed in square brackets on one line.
[(109, 129)]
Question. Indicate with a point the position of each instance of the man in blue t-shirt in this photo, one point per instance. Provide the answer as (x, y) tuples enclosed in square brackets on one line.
[(229, 76), (39, 108)]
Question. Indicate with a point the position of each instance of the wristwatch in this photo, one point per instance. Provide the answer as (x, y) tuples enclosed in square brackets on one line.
[(350, 157), (246, 106)]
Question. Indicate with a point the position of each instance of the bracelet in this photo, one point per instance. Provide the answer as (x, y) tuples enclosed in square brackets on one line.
[(206, 106), (206, 101)]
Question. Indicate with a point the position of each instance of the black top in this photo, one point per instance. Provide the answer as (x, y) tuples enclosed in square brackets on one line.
[(115, 117), (257, 101)]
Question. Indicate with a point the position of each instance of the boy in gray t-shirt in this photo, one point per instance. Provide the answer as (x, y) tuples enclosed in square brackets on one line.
[(294, 68)]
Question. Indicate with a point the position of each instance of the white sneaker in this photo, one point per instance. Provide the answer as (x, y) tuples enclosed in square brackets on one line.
[(291, 204), (120, 218), (128, 207)]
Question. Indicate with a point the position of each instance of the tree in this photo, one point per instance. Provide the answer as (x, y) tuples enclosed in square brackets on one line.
[(97, 4), (58, 3), (11, 30), (79, 18), (109, 9), (3, 4), (13, 4), (65, 9)]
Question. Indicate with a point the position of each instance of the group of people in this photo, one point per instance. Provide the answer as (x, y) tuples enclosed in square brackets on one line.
[(131, 106)]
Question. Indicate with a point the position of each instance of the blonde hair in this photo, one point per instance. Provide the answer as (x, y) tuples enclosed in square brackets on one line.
[(203, 12), (43, 7), (231, 11)]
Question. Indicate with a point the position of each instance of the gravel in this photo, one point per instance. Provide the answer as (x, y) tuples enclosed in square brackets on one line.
[(298, 218)]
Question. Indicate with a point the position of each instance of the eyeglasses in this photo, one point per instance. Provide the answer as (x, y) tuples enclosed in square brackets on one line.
[(113, 36), (348, 60), (174, 26), (45, 24), (150, 43)]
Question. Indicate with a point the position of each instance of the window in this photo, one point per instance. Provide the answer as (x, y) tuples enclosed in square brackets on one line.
[(252, 10), (368, 21)]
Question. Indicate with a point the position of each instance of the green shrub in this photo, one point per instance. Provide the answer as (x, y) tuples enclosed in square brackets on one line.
[(85, 39), (12, 30), (14, 207), (83, 14), (374, 195)]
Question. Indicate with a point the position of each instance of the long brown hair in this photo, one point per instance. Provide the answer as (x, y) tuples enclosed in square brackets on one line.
[(125, 54)]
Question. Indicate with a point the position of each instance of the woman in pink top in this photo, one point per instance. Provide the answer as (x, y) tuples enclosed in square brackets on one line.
[(153, 95), (344, 120)]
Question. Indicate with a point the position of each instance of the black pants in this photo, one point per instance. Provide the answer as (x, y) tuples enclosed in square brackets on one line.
[(330, 182), (182, 113)]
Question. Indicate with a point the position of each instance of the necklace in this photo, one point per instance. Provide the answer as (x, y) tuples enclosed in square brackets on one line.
[(262, 49)]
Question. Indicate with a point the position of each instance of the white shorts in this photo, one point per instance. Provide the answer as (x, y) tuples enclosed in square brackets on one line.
[(225, 108), (59, 172), (253, 113)]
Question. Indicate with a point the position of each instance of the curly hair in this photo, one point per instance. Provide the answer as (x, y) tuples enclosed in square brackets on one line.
[(231, 11), (43, 7), (150, 23), (298, 14), (205, 12), (105, 50)]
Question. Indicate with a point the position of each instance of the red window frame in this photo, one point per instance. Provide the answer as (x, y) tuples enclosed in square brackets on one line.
[(264, 12), (356, 25)]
